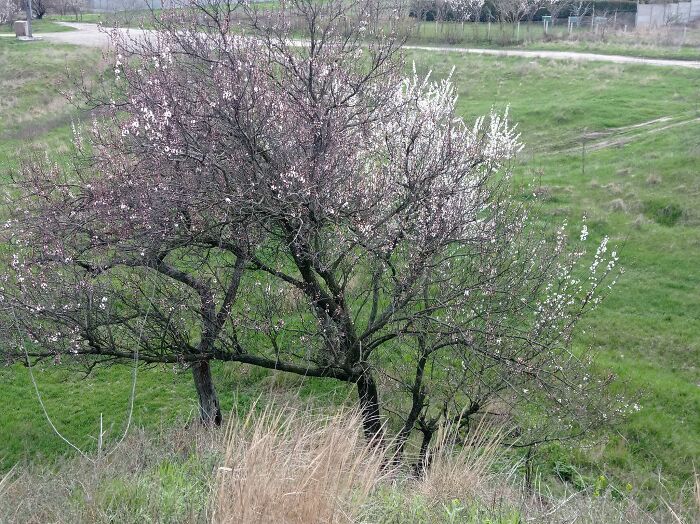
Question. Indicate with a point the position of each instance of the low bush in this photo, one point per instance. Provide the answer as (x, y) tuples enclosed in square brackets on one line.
[(664, 213)]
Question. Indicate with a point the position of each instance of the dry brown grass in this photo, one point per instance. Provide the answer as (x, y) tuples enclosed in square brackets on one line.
[(654, 179), (292, 466), (6, 479), (289, 466), (618, 205), (465, 471)]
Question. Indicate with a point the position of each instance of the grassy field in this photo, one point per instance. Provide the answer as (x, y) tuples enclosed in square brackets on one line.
[(638, 184), (44, 25)]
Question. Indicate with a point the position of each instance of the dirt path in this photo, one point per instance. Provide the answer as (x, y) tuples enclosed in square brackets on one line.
[(619, 136), (89, 35)]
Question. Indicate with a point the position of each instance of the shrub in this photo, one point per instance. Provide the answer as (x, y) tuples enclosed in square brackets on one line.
[(664, 213)]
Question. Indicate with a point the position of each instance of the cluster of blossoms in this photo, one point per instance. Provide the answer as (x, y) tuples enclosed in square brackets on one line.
[(466, 10)]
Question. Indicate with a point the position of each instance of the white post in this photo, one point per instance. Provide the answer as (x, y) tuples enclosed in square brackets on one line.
[(29, 18), (99, 440)]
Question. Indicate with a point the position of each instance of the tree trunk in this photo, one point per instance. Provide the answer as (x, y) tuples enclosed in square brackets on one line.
[(369, 407), (405, 432), (209, 410), (423, 462)]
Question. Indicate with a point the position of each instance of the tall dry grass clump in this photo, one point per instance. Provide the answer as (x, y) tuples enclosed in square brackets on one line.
[(289, 466), (465, 469), (6, 479), (696, 492)]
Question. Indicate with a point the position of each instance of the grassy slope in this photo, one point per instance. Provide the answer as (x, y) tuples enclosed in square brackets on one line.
[(647, 331)]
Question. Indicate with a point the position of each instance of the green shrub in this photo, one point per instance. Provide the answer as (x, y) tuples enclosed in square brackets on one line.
[(666, 214)]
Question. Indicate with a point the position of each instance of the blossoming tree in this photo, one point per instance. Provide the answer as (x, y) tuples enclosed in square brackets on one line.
[(8, 9), (300, 206)]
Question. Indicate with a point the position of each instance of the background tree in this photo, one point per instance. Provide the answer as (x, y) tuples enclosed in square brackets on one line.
[(556, 7), (532, 9), (465, 10), (39, 7), (75, 7), (304, 208), (8, 11), (511, 11)]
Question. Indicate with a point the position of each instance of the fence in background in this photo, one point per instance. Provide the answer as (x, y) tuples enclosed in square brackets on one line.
[(659, 15), (109, 6)]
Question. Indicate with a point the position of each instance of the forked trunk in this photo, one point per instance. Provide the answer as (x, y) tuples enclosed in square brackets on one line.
[(369, 408), (209, 410), (423, 462)]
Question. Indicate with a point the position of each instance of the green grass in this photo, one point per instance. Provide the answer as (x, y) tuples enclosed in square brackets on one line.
[(88, 18), (685, 52), (39, 26), (643, 191), (75, 403), (119, 18), (33, 114)]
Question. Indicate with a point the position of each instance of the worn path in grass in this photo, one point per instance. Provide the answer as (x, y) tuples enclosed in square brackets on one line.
[(616, 137), (90, 35)]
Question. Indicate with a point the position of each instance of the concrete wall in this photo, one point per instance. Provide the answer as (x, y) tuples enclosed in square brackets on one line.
[(121, 5), (695, 10), (659, 15)]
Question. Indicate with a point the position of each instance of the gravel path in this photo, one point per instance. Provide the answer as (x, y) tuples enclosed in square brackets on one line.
[(89, 35)]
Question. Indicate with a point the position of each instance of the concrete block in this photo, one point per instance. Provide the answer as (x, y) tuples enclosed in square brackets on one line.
[(21, 28)]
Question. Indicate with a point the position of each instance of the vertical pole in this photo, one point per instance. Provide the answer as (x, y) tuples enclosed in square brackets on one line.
[(29, 18), (583, 152), (99, 440)]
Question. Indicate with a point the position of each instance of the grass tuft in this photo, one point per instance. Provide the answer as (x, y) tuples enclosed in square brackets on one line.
[(664, 213), (291, 466)]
